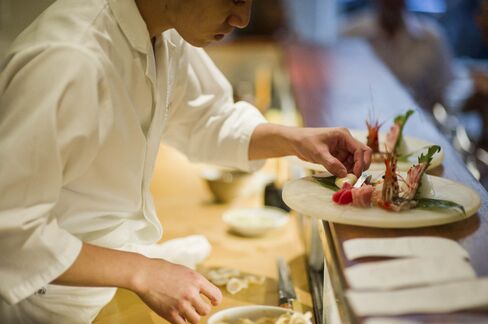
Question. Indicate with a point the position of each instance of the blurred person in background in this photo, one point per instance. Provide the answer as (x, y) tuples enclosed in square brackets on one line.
[(478, 100), (412, 47)]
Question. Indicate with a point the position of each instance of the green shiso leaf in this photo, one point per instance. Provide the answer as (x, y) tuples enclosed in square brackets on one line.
[(406, 157), (438, 204), (328, 182), (427, 158), (401, 120)]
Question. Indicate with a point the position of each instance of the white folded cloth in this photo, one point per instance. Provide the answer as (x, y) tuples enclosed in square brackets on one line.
[(408, 246), (187, 251), (408, 272), (441, 298)]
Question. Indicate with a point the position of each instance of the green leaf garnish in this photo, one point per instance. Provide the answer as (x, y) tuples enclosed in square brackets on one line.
[(438, 204), (427, 158), (401, 120), (406, 157), (327, 182)]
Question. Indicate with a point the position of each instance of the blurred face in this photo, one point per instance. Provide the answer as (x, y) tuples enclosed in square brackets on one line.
[(390, 14), (483, 20), (200, 22)]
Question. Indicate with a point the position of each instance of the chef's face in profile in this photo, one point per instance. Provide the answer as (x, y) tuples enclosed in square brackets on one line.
[(201, 22)]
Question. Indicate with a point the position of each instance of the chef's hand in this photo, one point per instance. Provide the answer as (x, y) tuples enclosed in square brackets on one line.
[(175, 292), (334, 148)]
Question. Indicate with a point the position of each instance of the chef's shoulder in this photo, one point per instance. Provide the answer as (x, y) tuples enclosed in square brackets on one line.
[(63, 22), (62, 81), (55, 62), (63, 26)]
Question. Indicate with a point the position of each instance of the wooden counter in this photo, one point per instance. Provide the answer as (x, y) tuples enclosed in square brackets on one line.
[(185, 207), (336, 87)]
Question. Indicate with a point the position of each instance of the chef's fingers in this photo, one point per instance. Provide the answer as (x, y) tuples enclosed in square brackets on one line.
[(176, 318), (212, 293), (361, 153), (333, 165), (202, 307), (349, 163), (189, 313), (342, 155), (353, 144), (358, 162), (367, 158)]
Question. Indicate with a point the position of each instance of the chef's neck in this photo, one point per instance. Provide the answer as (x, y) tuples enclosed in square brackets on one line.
[(156, 14)]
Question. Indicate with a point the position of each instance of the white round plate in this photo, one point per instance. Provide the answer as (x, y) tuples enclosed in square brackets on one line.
[(252, 312), (254, 221), (413, 144), (309, 198)]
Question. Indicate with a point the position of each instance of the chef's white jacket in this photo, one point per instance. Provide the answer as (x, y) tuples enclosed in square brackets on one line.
[(85, 102)]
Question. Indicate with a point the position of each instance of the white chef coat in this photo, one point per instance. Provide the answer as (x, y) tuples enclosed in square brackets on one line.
[(85, 102), (417, 55)]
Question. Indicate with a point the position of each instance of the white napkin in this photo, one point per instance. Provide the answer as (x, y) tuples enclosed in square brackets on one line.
[(442, 298), (187, 251), (399, 273), (403, 247)]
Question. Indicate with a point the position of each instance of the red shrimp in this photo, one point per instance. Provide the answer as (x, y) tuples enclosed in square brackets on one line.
[(372, 139)]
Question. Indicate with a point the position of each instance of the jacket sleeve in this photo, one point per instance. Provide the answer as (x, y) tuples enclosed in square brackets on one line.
[(49, 101), (204, 121)]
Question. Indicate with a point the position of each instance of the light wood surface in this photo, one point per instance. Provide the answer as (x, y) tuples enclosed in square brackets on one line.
[(185, 207)]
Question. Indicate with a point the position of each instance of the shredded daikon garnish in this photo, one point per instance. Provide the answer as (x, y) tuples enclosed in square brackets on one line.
[(233, 279)]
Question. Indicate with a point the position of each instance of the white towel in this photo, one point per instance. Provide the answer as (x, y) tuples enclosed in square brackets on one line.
[(187, 251)]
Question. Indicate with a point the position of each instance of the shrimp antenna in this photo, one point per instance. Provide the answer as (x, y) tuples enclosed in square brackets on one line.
[(371, 113), (372, 110)]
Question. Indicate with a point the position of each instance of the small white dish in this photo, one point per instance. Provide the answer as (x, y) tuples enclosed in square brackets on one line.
[(254, 221), (252, 312)]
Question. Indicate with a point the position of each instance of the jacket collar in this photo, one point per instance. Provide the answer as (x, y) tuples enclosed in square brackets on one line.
[(133, 26)]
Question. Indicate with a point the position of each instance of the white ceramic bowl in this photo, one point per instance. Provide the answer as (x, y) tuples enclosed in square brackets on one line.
[(254, 221), (252, 312)]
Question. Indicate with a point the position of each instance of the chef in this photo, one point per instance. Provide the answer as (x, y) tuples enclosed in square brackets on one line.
[(87, 92)]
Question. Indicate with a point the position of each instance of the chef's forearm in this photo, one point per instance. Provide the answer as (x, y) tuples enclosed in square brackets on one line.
[(103, 267), (271, 140)]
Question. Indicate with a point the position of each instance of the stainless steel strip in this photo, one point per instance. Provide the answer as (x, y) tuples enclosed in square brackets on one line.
[(337, 281)]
